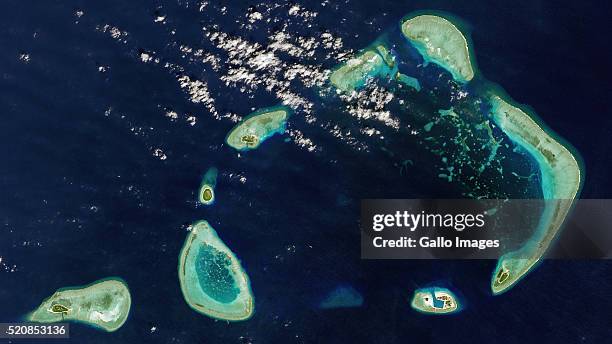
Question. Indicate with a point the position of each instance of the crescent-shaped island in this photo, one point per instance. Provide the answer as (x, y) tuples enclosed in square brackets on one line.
[(441, 42), (561, 178)]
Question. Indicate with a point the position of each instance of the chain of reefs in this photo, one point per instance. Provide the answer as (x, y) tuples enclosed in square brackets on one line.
[(104, 304), (212, 279), (435, 300), (257, 127), (441, 42)]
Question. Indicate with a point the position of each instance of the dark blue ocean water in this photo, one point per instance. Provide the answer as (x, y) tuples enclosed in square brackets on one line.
[(83, 197)]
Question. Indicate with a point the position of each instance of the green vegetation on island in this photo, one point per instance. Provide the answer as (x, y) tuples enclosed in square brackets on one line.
[(376, 62), (257, 127), (560, 182), (435, 300), (206, 195), (440, 41), (212, 279), (103, 304)]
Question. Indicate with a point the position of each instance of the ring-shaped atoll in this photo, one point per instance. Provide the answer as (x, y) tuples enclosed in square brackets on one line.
[(212, 279)]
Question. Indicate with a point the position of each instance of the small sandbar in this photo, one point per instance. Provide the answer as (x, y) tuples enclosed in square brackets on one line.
[(441, 42), (435, 300), (212, 279), (103, 304), (206, 195), (371, 63), (560, 180), (257, 127)]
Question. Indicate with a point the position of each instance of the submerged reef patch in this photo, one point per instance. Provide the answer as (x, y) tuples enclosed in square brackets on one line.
[(342, 297)]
